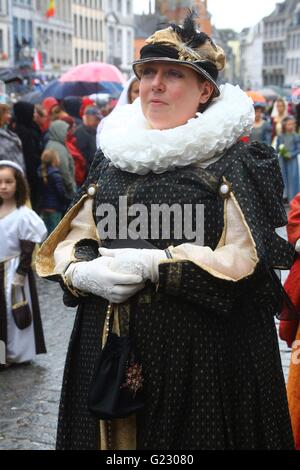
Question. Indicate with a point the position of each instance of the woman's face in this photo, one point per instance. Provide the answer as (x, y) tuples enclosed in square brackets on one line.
[(6, 118), (8, 184), (40, 118), (258, 114), (171, 94), (280, 107), (53, 115), (290, 126), (134, 91)]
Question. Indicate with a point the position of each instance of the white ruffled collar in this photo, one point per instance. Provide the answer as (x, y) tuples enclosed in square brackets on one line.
[(129, 143)]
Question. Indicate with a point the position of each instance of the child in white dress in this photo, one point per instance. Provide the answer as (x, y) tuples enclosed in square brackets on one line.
[(20, 229)]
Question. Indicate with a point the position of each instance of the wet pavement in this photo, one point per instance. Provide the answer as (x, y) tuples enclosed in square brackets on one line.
[(29, 394)]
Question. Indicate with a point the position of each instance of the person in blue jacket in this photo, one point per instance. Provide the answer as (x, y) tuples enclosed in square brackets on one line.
[(262, 129), (53, 197)]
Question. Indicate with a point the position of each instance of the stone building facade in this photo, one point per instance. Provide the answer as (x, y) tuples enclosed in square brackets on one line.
[(89, 31), (292, 60), (251, 52), (175, 10), (6, 48), (119, 30), (280, 33), (54, 36)]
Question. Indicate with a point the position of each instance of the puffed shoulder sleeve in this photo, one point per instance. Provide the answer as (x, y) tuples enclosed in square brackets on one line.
[(31, 227), (249, 248), (75, 238), (257, 183)]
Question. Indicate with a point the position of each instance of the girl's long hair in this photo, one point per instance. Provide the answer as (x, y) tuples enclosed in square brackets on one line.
[(49, 158), (4, 108), (22, 189)]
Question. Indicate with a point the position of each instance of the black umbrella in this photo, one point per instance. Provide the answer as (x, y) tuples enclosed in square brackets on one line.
[(10, 75), (61, 90)]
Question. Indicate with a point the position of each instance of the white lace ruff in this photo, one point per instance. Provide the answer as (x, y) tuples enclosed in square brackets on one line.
[(129, 143)]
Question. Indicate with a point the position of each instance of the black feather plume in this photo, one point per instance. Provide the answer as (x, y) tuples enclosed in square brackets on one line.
[(188, 33)]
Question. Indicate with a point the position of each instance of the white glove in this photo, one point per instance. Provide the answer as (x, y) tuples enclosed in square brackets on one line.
[(142, 262), (297, 246), (98, 278)]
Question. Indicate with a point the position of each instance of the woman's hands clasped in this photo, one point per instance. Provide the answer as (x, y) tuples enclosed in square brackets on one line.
[(118, 274), (97, 277), (142, 262)]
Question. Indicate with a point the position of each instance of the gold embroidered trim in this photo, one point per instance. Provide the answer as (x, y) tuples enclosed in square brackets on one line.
[(245, 223), (45, 263), (220, 244), (223, 276), (224, 232), (173, 281), (76, 292)]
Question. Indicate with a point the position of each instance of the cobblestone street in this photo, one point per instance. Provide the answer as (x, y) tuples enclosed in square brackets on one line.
[(29, 395)]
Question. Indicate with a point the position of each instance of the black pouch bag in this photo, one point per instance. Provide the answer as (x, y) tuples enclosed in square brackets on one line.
[(20, 310), (116, 388)]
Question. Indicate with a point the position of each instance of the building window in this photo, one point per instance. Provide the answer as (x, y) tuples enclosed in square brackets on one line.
[(119, 44), (23, 29), (129, 47), (111, 40), (30, 33), (80, 27), (1, 41), (75, 25)]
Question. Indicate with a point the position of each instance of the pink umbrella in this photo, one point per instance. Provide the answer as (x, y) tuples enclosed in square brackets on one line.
[(93, 72), (86, 79)]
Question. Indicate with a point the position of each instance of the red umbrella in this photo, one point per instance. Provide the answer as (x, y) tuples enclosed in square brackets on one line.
[(93, 72)]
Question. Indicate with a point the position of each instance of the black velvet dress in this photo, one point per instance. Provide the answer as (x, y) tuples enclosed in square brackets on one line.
[(208, 346)]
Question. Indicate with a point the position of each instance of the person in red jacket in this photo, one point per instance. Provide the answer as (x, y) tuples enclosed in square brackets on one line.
[(289, 331), (80, 166)]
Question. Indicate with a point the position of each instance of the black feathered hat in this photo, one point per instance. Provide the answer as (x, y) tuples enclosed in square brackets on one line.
[(186, 46)]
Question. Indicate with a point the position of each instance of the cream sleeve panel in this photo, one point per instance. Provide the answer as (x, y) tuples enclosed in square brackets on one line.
[(236, 255), (81, 227)]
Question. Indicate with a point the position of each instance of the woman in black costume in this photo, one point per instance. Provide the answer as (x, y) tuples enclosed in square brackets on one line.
[(203, 315)]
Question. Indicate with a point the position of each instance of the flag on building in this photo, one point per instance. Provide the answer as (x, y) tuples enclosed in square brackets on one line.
[(37, 61), (51, 9)]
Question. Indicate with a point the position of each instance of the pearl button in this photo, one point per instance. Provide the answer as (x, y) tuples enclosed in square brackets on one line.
[(91, 191), (224, 189)]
